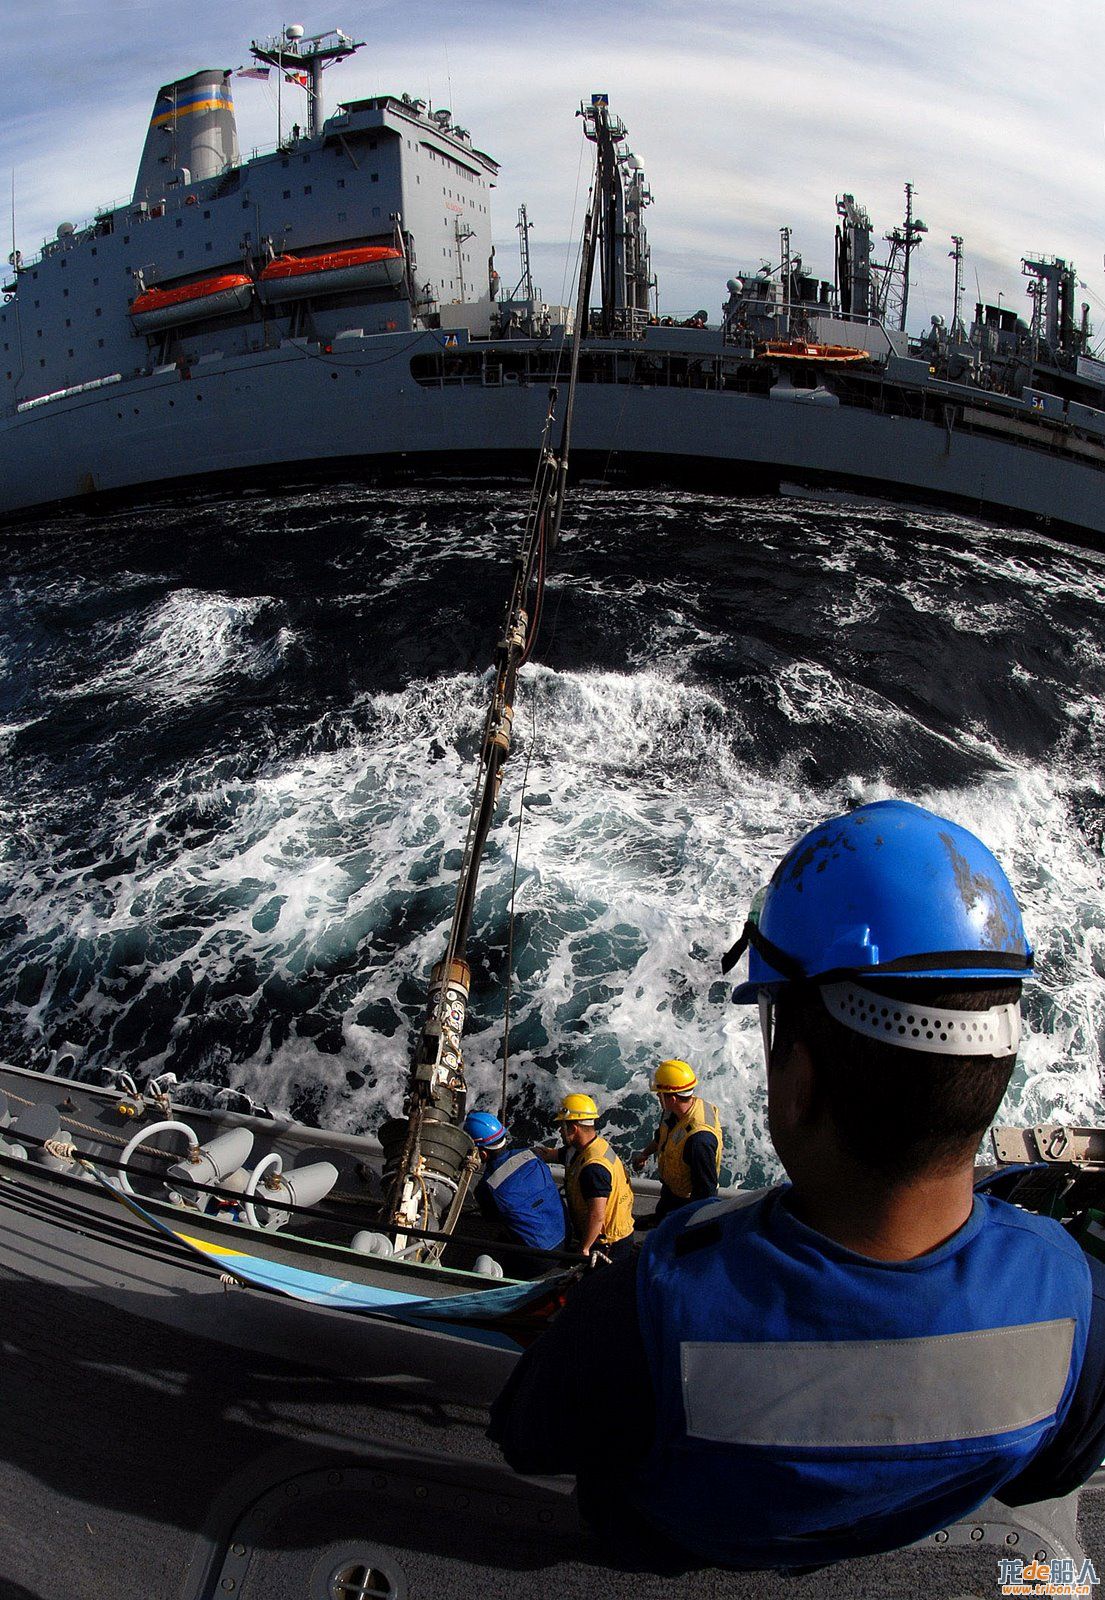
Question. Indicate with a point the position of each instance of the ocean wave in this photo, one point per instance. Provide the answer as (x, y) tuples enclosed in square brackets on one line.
[(263, 908)]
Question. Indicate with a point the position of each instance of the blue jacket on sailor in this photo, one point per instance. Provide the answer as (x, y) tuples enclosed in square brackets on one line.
[(813, 1403), (519, 1189)]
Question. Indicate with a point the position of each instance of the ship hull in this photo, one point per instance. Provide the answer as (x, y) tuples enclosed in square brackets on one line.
[(300, 407)]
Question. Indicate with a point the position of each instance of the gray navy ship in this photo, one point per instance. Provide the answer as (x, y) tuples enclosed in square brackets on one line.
[(333, 306)]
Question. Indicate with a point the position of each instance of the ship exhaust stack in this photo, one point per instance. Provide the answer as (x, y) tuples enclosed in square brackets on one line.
[(192, 134)]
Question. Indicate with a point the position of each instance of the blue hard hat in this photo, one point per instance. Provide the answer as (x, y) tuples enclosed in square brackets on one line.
[(484, 1129), (889, 890)]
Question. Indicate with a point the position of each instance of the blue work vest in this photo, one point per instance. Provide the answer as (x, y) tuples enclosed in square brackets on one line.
[(814, 1404), (526, 1197)]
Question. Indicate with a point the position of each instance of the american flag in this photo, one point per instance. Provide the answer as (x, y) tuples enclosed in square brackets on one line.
[(253, 72)]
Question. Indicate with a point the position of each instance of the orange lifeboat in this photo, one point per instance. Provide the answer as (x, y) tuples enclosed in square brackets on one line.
[(799, 350), (369, 266), (154, 309)]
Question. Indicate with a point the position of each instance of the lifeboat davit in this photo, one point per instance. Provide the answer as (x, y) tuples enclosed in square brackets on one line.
[(799, 350), (369, 266), (188, 302)]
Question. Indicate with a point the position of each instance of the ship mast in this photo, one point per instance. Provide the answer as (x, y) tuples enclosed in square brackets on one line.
[(306, 58), (625, 274), (956, 254), (895, 283)]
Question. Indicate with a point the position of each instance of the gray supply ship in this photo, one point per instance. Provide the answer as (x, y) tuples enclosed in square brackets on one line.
[(333, 306)]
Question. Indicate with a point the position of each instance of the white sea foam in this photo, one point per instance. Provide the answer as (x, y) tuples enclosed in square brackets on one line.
[(643, 843), (646, 830), (190, 641)]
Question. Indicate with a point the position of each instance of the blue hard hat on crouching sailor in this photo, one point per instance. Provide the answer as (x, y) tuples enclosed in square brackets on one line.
[(484, 1130), (888, 891)]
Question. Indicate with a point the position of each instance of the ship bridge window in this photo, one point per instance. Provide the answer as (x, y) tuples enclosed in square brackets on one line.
[(287, 194), (341, 183), (306, 188)]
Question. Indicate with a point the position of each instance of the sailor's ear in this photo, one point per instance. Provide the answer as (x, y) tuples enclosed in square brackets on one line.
[(792, 1084)]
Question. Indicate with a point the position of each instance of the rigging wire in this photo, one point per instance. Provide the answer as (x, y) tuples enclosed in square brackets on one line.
[(513, 897)]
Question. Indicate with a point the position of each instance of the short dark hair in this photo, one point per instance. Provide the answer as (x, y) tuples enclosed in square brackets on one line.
[(900, 1113)]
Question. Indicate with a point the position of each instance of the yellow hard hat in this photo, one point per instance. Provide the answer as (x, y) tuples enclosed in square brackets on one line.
[(577, 1108), (673, 1077)]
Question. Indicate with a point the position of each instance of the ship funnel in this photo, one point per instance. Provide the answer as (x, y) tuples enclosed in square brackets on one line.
[(192, 134)]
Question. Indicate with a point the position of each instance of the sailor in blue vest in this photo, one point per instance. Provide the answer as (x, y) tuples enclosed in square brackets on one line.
[(517, 1190), (845, 1363)]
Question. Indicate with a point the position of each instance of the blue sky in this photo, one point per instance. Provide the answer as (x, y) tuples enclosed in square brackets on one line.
[(745, 117)]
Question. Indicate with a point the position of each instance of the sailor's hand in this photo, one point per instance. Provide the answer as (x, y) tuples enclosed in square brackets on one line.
[(640, 1160), (547, 1152)]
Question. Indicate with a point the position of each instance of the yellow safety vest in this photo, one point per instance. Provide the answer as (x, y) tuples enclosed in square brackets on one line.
[(670, 1140), (618, 1220)]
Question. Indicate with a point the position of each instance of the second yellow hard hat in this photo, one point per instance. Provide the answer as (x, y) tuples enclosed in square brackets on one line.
[(577, 1108), (674, 1077)]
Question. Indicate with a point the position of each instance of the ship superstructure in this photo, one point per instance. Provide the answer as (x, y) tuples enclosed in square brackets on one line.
[(333, 305), (384, 172)]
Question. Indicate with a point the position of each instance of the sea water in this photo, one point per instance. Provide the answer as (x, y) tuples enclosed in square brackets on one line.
[(240, 735)]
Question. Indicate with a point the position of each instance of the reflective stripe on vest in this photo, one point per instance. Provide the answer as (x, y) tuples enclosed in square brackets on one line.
[(520, 1158), (617, 1222), (674, 1172), (812, 1403), (953, 1386)]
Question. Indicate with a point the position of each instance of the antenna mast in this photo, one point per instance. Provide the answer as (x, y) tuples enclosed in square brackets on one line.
[(956, 253), (305, 59), (524, 225), (895, 275)]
